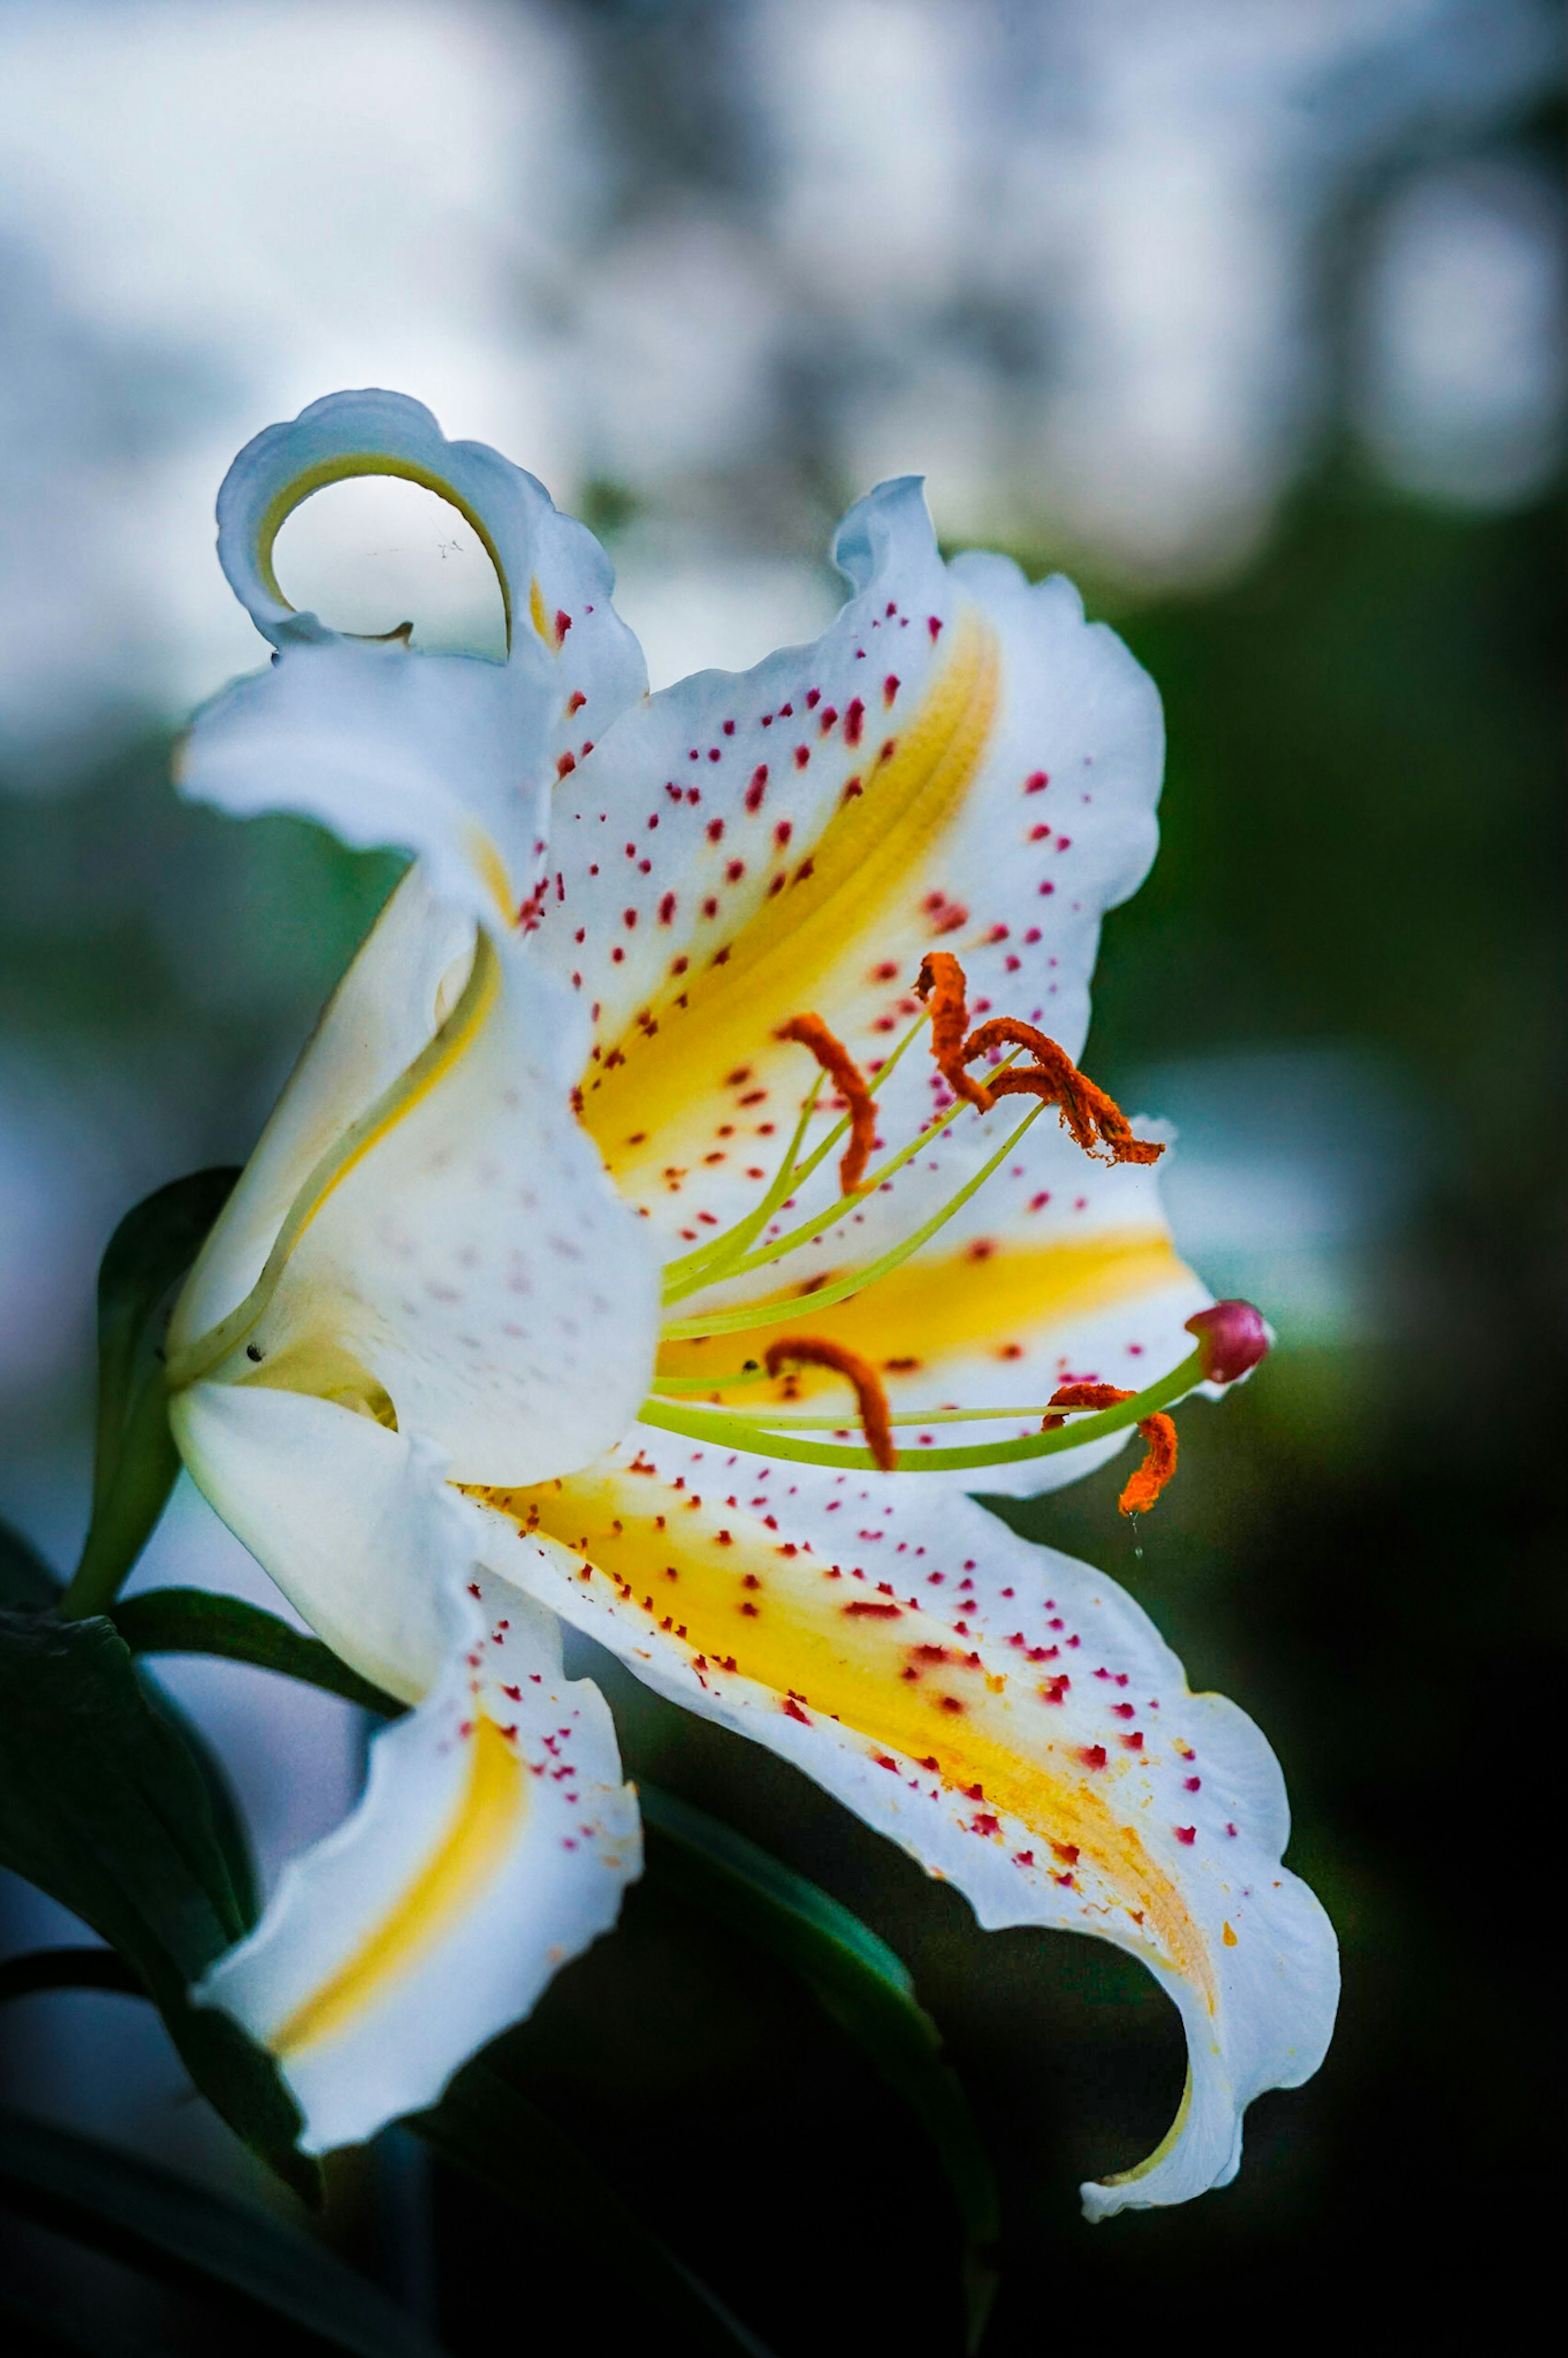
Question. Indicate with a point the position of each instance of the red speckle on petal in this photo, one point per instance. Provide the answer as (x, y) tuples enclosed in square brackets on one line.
[(793, 1711), (854, 722), (933, 624), (1187, 1834), (715, 830), (563, 625), (1035, 782), (890, 689), (666, 909), (1093, 1756), (754, 792)]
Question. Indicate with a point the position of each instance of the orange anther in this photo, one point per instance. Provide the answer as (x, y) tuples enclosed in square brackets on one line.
[(1081, 1396), (1158, 1431), (845, 1074), (811, 1351), (1096, 1120), (941, 981), (1159, 1464)]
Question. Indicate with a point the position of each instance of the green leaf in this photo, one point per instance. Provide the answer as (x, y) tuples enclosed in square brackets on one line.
[(194, 1621), (487, 2127), (860, 1982), (134, 1458), (103, 1806), (54, 1969), (169, 2227), (34, 2332)]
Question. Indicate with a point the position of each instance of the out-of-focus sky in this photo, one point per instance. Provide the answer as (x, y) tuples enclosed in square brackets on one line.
[(1081, 265)]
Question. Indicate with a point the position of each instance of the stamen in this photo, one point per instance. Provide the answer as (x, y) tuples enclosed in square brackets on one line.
[(941, 980), (846, 1075), (1159, 1464), (813, 1351), (1087, 1111), (1159, 1434), (764, 1434)]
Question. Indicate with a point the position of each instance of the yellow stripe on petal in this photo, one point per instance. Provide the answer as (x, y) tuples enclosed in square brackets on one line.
[(844, 895), (837, 1648), (454, 1876), (941, 1305)]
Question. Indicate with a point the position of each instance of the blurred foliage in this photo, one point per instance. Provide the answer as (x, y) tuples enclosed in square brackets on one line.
[(1360, 847)]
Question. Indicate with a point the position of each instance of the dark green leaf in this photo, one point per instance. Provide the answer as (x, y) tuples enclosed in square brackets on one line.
[(26, 1582), (860, 1982), (104, 1807), (170, 2227), (485, 2125), (31, 2331), (134, 1459), (53, 1969), (193, 1621)]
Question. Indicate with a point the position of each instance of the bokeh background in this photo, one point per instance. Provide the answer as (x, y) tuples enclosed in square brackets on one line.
[(1248, 314)]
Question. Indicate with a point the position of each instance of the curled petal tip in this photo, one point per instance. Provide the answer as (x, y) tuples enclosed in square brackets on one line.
[(1232, 1336)]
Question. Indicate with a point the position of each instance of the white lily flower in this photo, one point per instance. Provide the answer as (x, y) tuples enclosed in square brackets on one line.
[(582, 1056)]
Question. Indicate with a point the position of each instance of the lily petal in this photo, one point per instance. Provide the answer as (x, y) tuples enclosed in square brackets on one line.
[(448, 756), (456, 1262), (960, 760), (380, 1016), (492, 1843), (340, 1511), (1009, 1717)]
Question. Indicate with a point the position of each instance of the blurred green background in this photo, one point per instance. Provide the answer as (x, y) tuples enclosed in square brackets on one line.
[(1343, 980)]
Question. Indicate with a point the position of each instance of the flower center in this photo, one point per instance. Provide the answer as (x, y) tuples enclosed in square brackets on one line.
[(1023, 1062)]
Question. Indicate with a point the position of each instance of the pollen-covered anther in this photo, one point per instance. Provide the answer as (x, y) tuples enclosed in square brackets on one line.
[(1096, 1120), (814, 1351), (848, 1080), (1158, 1431), (941, 980)]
